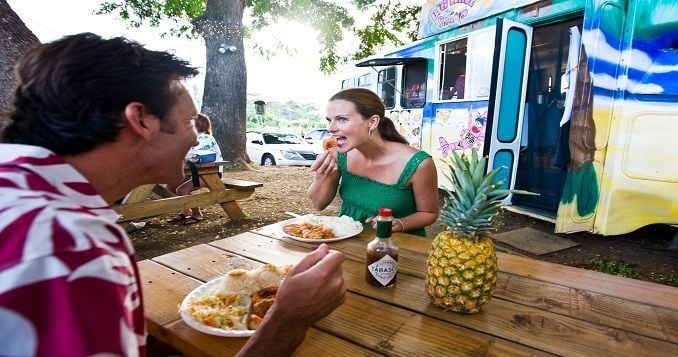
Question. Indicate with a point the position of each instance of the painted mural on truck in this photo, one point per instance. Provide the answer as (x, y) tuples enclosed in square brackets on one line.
[(623, 169), (441, 15)]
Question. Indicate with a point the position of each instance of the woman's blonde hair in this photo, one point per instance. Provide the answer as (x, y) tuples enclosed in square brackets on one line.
[(203, 124)]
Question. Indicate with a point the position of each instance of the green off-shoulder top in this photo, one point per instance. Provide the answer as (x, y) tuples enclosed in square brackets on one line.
[(362, 196)]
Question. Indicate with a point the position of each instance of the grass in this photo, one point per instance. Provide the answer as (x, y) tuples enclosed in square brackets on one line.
[(612, 267)]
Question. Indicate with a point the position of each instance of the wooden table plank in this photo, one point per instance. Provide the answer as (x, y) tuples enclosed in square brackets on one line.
[(399, 332), (391, 333), (530, 326), (543, 292), (165, 289), (646, 320), (204, 262), (617, 286), (317, 343)]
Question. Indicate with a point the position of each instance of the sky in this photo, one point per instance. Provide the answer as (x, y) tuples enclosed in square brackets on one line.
[(268, 80)]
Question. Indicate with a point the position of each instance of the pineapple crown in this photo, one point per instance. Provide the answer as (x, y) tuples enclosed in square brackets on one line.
[(470, 208)]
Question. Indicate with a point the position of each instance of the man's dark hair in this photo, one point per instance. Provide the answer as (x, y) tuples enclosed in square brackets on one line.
[(71, 93)]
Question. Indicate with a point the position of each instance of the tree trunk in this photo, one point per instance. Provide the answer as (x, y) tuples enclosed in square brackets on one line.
[(15, 39), (225, 94)]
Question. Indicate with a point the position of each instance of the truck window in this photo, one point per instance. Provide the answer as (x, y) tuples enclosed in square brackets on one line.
[(465, 66), (348, 83), (414, 85), (452, 81), (386, 86), (365, 80)]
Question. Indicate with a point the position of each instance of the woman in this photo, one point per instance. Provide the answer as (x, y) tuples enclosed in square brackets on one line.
[(206, 141), (376, 165)]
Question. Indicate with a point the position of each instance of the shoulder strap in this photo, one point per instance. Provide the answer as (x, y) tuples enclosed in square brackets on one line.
[(341, 160), (411, 167)]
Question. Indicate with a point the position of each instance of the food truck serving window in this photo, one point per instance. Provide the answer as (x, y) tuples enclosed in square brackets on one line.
[(414, 85), (386, 86), (452, 70), (465, 66)]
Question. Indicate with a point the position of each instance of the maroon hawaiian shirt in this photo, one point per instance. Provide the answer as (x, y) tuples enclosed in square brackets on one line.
[(69, 284)]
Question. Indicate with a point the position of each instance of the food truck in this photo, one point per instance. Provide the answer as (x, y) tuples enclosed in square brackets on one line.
[(576, 99)]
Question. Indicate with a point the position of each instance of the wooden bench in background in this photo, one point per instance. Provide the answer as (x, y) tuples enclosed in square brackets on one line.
[(244, 186), (240, 184), (223, 191)]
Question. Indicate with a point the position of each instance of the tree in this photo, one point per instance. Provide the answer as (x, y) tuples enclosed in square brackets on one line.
[(15, 39), (220, 24)]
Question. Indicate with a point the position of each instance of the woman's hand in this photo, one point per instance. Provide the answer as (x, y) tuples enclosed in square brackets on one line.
[(326, 179), (325, 163), (397, 225)]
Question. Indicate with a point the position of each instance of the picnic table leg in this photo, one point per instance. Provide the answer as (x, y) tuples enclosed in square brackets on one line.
[(137, 195), (231, 208)]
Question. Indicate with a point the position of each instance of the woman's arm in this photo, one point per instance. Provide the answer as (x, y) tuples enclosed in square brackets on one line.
[(325, 180)]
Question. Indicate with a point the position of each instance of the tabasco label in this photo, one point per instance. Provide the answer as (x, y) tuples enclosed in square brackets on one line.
[(384, 270)]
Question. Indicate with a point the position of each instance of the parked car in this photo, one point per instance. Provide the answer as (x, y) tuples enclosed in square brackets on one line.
[(269, 148), (316, 138)]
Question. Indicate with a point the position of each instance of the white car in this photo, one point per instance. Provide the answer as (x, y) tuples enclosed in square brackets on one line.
[(268, 148), (316, 138)]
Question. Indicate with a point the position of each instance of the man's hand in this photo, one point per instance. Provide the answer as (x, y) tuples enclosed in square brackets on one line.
[(312, 290)]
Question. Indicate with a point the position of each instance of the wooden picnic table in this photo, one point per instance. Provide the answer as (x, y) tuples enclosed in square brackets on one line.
[(222, 191), (539, 308)]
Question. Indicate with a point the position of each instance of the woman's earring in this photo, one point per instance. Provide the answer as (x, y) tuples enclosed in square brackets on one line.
[(369, 133)]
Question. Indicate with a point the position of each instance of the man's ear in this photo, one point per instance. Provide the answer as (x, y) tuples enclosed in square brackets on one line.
[(139, 120)]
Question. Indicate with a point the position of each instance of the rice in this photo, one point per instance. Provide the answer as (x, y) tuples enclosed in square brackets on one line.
[(248, 281), (343, 226)]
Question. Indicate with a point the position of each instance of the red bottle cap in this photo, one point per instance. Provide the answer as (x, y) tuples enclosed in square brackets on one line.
[(385, 212)]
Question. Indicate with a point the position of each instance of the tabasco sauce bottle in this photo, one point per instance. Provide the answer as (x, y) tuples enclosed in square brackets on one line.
[(382, 253)]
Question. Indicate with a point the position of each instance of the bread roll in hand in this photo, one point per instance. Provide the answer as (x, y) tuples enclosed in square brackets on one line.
[(329, 143)]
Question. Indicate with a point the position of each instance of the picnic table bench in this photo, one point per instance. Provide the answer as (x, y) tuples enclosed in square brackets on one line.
[(223, 191)]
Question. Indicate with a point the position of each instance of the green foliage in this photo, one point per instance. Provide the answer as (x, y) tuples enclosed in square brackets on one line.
[(386, 24), (469, 210), (612, 267), (388, 21), (289, 117), (182, 13)]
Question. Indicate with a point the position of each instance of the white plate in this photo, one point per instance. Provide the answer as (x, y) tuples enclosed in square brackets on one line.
[(352, 229), (201, 290)]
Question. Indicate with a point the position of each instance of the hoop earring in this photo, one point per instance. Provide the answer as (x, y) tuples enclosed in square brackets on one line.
[(369, 134)]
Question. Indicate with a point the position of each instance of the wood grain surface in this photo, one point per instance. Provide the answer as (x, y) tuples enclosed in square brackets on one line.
[(539, 308)]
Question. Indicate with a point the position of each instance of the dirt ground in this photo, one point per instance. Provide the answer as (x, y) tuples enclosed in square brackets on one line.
[(640, 255)]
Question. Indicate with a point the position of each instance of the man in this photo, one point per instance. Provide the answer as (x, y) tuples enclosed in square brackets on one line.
[(93, 119)]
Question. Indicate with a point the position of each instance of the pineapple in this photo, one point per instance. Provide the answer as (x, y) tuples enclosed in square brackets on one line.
[(461, 272)]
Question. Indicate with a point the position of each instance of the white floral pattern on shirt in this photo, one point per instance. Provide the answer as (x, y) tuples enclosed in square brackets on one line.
[(69, 283)]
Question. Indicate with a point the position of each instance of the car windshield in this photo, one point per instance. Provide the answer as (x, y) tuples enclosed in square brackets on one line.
[(276, 138)]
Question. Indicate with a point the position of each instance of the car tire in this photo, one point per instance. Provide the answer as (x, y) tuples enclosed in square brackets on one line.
[(268, 160)]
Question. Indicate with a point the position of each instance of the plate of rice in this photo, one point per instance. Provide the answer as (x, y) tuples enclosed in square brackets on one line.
[(221, 306), (321, 229)]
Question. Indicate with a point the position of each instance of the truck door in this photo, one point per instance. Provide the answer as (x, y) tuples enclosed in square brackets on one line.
[(507, 97)]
